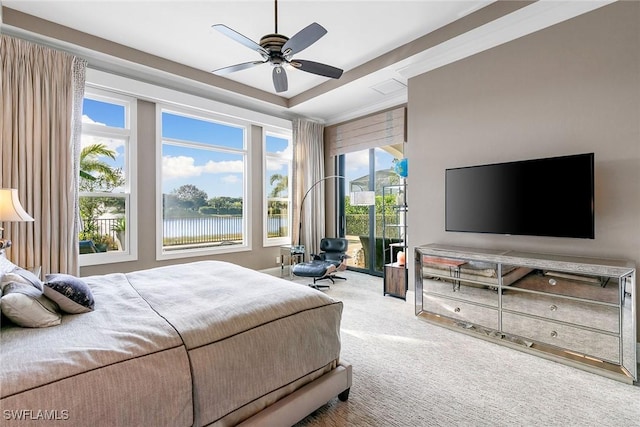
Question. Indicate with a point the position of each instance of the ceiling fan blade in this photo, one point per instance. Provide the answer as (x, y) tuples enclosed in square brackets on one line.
[(303, 39), (317, 68), (241, 39), (280, 79), (237, 67)]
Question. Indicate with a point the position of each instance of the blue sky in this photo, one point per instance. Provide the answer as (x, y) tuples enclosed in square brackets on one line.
[(215, 172)]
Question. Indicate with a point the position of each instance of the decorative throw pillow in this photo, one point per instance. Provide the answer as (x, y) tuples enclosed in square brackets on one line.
[(19, 277), (29, 277), (6, 266), (71, 293), (26, 306)]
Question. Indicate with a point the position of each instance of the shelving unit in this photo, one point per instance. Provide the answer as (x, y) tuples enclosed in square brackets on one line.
[(394, 240)]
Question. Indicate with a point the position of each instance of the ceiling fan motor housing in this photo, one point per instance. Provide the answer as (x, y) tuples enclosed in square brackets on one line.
[(273, 43)]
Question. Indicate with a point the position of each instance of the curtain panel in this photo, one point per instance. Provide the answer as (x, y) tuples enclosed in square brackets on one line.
[(41, 92), (308, 165)]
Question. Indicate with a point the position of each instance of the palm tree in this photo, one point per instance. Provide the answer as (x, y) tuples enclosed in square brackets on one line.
[(95, 173), (276, 208), (282, 184)]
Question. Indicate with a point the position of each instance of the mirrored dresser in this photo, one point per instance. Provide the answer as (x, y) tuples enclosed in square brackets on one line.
[(575, 310)]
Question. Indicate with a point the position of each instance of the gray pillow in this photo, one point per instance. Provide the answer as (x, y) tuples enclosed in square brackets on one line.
[(26, 306), (71, 293), (29, 277)]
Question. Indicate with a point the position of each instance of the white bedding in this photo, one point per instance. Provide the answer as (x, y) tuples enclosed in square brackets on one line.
[(195, 344)]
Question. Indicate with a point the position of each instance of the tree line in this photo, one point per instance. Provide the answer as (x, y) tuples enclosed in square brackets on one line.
[(188, 200)]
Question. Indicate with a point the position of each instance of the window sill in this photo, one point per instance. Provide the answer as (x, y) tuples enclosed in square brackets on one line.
[(199, 252), (101, 258)]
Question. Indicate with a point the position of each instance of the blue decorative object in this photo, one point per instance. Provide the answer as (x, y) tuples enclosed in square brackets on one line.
[(402, 167)]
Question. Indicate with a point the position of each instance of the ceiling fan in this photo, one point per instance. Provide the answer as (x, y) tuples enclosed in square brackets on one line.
[(278, 50)]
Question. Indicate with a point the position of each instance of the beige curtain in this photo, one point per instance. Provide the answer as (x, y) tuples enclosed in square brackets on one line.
[(308, 169), (41, 93)]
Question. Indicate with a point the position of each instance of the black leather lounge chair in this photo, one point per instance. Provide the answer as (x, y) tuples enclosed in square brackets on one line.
[(326, 264)]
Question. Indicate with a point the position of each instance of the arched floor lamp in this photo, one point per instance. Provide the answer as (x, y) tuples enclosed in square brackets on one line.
[(305, 197)]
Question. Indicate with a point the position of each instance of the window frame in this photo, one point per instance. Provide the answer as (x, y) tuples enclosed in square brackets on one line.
[(282, 134), (129, 134), (245, 151)]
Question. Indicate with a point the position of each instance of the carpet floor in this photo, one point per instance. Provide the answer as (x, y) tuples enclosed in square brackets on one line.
[(407, 372)]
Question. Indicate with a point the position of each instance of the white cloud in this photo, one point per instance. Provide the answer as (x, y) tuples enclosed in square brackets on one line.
[(87, 119), (179, 167), (287, 152), (226, 166), (276, 164), (357, 160), (185, 167)]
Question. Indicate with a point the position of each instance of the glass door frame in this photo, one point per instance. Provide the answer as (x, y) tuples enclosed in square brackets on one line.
[(340, 203)]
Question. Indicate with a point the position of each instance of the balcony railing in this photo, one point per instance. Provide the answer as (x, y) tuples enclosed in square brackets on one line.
[(192, 231), (218, 229)]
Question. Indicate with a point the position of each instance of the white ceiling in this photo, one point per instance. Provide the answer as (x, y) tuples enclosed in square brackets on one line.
[(359, 32)]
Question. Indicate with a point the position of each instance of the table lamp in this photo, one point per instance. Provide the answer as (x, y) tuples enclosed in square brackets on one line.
[(10, 211)]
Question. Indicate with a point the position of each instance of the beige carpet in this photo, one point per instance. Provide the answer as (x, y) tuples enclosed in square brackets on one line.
[(407, 372)]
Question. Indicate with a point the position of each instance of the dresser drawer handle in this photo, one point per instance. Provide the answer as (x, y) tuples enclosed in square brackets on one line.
[(554, 334), (553, 307)]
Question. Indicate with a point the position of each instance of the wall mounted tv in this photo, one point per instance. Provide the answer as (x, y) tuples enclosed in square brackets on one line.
[(540, 197)]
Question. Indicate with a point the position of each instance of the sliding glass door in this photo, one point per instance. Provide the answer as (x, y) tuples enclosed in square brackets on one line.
[(366, 170)]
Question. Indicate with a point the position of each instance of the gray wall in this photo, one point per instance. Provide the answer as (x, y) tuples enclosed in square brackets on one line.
[(258, 258), (571, 88)]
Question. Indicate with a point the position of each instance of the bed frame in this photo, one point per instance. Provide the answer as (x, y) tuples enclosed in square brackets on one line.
[(299, 404)]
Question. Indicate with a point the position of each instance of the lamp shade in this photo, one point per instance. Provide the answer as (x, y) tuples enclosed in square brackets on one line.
[(363, 198), (10, 208)]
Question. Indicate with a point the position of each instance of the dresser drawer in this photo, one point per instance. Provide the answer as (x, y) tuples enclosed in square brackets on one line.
[(462, 291), (597, 316), (460, 310), (591, 343)]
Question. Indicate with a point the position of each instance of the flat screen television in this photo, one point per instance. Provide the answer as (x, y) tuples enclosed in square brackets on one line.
[(540, 197)]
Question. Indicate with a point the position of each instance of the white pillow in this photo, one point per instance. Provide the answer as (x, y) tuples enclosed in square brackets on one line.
[(6, 266), (22, 276), (26, 306)]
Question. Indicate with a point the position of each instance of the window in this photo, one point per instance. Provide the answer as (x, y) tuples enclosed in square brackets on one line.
[(203, 181), (278, 153), (106, 184)]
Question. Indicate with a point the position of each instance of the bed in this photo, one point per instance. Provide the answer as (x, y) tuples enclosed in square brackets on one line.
[(205, 343)]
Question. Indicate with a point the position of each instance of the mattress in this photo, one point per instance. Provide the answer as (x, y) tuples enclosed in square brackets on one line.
[(194, 344), (247, 333)]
